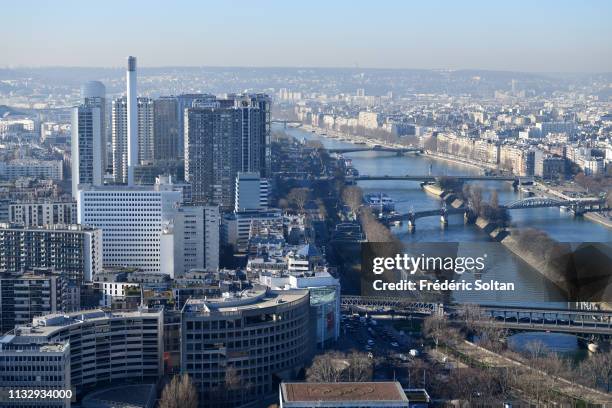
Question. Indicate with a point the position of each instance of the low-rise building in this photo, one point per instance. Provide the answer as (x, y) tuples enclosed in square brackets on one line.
[(387, 394)]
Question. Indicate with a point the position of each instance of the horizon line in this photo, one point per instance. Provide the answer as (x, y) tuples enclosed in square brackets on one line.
[(121, 67)]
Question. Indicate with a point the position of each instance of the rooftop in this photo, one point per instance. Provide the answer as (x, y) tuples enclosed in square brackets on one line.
[(254, 298), (43, 326), (343, 391)]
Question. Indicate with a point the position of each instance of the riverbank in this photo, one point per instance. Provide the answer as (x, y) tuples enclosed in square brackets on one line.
[(509, 241), (350, 138)]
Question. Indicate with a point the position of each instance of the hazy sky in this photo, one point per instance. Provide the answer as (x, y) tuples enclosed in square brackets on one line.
[(501, 35)]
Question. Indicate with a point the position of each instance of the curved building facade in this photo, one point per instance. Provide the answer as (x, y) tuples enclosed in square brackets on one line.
[(237, 348), (104, 347)]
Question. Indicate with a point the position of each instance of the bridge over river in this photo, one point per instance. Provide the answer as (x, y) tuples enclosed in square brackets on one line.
[(520, 318)]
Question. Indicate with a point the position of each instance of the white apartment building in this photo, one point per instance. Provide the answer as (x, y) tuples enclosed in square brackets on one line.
[(132, 220), (191, 241), (46, 169), (46, 213), (87, 147), (369, 120)]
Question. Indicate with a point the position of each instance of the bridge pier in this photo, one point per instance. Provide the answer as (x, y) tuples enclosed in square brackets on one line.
[(444, 220), (411, 225)]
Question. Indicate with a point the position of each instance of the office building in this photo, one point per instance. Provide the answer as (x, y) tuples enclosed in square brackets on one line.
[(105, 347), (38, 214), (75, 250), (27, 365), (24, 296), (252, 192), (166, 129), (241, 341), (222, 138), (132, 220), (191, 241), (87, 147), (388, 394)]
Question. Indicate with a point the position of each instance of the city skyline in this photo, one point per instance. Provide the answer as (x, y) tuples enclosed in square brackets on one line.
[(282, 204), (445, 35)]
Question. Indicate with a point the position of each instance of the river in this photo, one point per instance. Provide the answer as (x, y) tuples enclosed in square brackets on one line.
[(531, 287)]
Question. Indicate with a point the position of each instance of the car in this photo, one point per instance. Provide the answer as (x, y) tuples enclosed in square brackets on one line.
[(368, 348), (370, 342), (394, 344)]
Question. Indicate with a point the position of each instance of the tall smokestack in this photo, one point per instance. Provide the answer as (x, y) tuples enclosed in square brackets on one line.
[(132, 120)]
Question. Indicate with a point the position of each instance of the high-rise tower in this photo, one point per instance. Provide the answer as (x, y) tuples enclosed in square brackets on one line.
[(132, 119)]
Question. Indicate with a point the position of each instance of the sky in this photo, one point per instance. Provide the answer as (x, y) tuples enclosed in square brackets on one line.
[(530, 36)]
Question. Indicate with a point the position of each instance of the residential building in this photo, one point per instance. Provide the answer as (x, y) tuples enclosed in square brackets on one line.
[(26, 295), (44, 169), (75, 250), (38, 214), (222, 138), (119, 124), (191, 241), (166, 129), (146, 126), (87, 147), (236, 227)]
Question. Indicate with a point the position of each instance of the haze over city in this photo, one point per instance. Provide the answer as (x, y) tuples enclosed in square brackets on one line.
[(550, 36)]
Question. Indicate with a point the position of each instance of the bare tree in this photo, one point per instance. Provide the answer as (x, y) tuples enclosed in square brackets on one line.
[(325, 368), (435, 327), (298, 197), (360, 367), (179, 393), (598, 369), (352, 196), (336, 366)]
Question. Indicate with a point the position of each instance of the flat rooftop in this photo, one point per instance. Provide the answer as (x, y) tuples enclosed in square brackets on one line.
[(255, 298), (45, 325), (343, 391)]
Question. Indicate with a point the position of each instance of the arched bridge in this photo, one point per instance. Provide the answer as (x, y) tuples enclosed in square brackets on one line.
[(543, 202)]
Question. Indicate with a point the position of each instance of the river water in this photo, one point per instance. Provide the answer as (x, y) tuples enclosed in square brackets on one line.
[(531, 287)]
